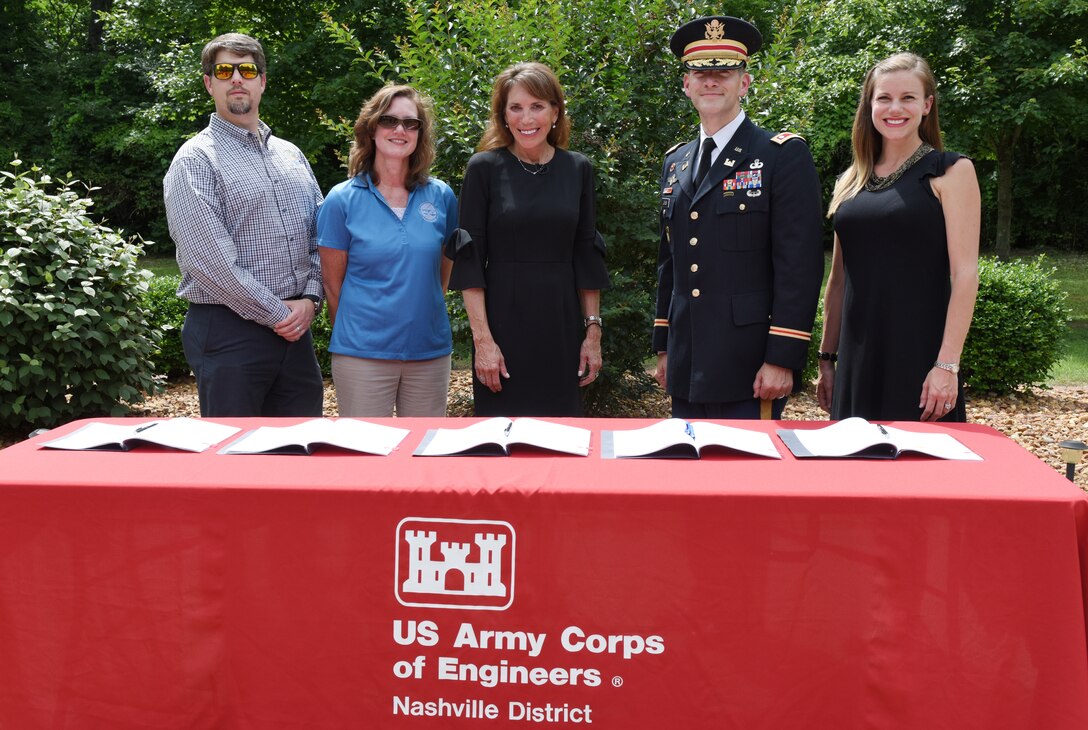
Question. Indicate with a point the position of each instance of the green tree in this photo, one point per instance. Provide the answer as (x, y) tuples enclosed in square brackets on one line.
[(1016, 76)]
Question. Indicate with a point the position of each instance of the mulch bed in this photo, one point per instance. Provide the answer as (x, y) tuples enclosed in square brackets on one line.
[(1037, 419)]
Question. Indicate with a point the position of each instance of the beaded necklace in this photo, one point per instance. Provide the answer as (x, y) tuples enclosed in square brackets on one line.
[(875, 183)]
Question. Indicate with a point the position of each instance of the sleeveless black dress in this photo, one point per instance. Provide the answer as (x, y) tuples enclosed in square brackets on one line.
[(895, 255)]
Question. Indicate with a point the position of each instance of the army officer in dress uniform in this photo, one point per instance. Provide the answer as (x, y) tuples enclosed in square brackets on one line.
[(741, 257)]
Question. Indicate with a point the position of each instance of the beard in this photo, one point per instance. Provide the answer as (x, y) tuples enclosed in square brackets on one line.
[(239, 105)]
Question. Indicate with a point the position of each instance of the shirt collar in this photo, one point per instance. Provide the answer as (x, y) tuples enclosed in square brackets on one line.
[(723, 135), (219, 125)]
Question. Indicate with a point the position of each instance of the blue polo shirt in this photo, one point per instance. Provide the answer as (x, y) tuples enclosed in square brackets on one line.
[(391, 303)]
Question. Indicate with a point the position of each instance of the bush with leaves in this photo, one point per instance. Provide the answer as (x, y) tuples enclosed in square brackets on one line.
[(1018, 331), (76, 337), (166, 314)]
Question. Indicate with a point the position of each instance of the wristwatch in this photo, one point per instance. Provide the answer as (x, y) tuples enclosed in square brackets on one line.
[(952, 367), (315, 300), (594, 319)]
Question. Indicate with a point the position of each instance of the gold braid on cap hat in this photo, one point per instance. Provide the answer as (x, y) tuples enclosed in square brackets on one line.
[(714, 46)]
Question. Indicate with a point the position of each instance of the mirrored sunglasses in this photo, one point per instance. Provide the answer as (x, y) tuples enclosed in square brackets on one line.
[(225, 71), (388, 121)]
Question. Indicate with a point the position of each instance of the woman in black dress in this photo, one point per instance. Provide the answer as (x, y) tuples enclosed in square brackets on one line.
[(904, 275), (532, 274)]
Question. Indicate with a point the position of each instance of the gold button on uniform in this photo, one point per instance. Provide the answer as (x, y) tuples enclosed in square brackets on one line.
[(694, 268), (742, 206), (694, 292), (693, 241), (695, 215)]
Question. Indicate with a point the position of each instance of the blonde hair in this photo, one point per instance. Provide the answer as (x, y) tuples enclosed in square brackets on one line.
[(541, 82), (866, 141), (363, 151)]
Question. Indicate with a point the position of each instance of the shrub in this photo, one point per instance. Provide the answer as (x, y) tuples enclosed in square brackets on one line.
[(76, 338), (1017, 335), (166, 313)]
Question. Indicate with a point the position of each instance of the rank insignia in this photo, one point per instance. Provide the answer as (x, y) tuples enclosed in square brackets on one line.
[(756, 165), (684, 166), (784, 137)]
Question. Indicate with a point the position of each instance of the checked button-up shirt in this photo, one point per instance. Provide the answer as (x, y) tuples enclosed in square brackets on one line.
[(242, 210)]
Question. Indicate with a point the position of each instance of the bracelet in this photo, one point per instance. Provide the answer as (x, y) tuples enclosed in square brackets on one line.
[(828, 356), (952, 367), (593, 319)]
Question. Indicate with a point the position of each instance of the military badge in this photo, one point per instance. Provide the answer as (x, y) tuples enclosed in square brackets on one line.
[(756, 165)]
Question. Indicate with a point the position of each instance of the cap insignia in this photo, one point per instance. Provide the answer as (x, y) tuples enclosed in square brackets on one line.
[(715, 30)]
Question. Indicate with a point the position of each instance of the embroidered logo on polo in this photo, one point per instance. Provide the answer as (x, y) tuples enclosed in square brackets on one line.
[(744, 180), (447, 563), (429, 212)]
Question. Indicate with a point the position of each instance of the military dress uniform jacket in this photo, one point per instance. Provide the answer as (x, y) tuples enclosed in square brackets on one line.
[(740, 264)]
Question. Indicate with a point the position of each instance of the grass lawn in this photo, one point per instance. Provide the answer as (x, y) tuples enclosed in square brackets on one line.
[(160, 266)]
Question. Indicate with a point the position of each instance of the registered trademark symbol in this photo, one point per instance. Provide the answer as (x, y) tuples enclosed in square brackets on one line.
[(617, 681)]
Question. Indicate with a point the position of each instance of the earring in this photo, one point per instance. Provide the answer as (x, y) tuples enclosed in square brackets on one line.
[(553, 125)]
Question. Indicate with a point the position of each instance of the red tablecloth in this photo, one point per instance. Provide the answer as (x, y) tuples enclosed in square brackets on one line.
[(156, 589)]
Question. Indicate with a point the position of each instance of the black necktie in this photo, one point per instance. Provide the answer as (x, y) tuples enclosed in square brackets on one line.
[(704, 161)]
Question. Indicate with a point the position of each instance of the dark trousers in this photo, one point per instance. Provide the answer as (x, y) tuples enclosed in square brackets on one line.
[(245, 369), (742, 409)]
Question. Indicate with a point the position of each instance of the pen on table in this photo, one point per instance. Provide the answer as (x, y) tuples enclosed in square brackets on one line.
[(506, 431), (882, 429), (144, 428)]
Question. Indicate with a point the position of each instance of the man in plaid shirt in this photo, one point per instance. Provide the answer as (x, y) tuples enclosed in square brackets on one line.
[(242, 209)]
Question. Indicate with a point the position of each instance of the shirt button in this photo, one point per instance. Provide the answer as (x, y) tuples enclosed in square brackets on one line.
[(695, 293), (695, 215), (694, 268), (742, 206), (693, 241)]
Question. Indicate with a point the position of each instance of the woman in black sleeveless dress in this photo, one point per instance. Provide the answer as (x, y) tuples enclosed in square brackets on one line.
[(904, 275)]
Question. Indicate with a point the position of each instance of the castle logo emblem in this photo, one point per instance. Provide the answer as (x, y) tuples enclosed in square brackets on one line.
[(446, 563)]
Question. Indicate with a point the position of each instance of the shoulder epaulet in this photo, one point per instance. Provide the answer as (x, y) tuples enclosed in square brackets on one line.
[(784, 137), (672, 149)]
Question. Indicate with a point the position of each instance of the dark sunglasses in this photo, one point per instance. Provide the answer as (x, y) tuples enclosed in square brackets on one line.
[(388, 121), (225, 71)]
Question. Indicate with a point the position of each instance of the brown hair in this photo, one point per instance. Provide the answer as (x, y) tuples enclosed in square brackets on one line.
[(363, 151), (867, 142), (541, 82), (241, 44)]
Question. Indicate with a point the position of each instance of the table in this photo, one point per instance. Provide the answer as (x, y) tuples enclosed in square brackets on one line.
[(168, 590)]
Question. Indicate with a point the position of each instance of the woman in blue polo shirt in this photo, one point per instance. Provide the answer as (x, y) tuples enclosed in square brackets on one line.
[(380, 235)]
